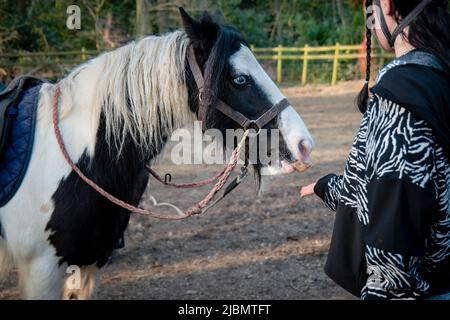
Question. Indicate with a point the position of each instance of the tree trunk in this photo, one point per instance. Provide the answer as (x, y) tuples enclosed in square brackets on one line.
[(341, 12), (162, 17), (142, 20), (107, 31), (277, 28), (333, 9), (22, 6)]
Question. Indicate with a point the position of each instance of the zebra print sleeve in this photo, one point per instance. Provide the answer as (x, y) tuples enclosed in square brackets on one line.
[(328, 189), (393, 276), (402, 199)]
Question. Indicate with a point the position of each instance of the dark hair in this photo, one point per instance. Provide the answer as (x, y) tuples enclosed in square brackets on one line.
[(363, 96), (429, 31)]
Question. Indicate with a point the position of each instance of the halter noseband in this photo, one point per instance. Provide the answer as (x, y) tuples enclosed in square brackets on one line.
[(405, 22), (209, 99)]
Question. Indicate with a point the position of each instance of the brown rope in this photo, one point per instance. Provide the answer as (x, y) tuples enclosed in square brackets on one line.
[(198, 209), (185, 185)]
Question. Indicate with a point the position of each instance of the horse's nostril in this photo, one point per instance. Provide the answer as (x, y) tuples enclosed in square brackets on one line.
[(305, 148)]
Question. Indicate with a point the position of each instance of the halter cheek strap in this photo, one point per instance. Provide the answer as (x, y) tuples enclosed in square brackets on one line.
[(405, 22), (208, 99), (383, 23)]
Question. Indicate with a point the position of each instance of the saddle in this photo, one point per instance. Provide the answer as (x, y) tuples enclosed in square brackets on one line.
[(9, 99), (18, 109)]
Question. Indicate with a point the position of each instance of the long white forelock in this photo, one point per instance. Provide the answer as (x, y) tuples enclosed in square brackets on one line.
[(151, 74)]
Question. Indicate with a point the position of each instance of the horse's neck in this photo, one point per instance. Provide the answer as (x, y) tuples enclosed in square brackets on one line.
[(79, 111), (140, 88), (87, 119), (83, 120)]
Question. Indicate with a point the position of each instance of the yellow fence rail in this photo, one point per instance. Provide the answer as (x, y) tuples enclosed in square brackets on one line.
[(334, 54), (306, 54)]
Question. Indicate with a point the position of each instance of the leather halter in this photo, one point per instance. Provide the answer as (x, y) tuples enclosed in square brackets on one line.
[(208, 99), (405, 22)]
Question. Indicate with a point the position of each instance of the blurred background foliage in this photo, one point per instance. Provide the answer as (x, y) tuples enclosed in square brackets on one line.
[(39, 25)]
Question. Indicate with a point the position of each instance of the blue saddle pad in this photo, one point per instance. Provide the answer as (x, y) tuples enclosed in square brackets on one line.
[(17, 153)]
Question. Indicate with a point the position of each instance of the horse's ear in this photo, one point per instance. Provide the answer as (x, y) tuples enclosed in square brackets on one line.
[(191, 26), (206, 18), (202, 33)]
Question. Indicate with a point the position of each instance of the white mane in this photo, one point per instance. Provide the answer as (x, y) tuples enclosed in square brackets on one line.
[(150, 74)]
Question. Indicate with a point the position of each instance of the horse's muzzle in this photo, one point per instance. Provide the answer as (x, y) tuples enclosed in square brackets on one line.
[(305, 149), (302, 166)]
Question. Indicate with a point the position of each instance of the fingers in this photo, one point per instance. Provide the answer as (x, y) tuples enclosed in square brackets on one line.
[(307, 191), (304, 192)]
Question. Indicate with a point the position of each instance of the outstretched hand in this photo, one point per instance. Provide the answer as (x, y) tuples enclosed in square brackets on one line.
[(307, 191)]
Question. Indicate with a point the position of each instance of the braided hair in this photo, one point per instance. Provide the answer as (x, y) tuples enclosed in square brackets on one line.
[(429, 32), (363, 96)]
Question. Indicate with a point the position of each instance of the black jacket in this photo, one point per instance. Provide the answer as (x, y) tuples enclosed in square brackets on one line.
[(391, 237)]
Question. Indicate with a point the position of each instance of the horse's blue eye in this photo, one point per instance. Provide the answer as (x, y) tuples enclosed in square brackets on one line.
[(240, 80)]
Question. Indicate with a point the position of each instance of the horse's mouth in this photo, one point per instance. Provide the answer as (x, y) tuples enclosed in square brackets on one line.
[(285, 168), (298, 166), (302, 166)]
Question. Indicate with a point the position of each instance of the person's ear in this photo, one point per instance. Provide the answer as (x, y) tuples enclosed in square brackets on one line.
[(388, 7)]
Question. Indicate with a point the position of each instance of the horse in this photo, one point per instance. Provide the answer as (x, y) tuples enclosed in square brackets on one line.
[(117, 112)]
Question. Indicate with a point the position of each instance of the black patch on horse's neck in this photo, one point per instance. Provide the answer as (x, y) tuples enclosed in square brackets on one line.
[(85, 227)]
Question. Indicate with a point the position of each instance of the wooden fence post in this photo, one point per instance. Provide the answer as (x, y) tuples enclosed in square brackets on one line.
[(280, 64), (305, 65), (382, 59), (21, 63), (335, 65)]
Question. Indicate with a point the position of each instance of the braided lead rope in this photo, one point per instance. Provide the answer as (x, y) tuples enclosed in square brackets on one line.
[(185, 185), (198, 209)]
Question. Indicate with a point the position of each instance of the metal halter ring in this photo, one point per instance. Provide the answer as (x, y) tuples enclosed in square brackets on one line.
[(252, 125), (203, 91), (200, 95)]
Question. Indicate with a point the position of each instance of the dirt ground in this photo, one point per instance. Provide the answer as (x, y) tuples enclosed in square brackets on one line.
[(271, 247)]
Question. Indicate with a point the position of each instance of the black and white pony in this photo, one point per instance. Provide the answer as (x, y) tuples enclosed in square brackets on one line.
[(116, 113)]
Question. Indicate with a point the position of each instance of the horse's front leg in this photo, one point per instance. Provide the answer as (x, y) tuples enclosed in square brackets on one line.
[(82, 283), (41, 278)]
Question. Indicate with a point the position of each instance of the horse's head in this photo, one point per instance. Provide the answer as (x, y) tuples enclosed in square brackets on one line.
[(233, 75)]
